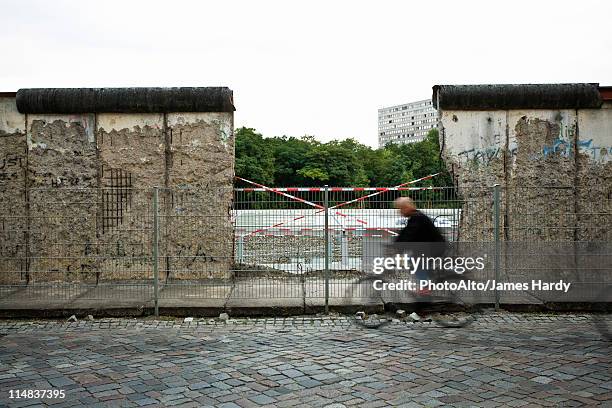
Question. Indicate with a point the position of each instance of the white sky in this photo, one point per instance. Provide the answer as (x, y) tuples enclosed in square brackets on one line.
[(321, 68)]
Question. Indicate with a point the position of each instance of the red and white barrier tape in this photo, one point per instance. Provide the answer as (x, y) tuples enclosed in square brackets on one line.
[(292, 197), (311, 232), (321, 229), (301, 235), (322, 209), (383, 190), (336, 189), (277, 191)]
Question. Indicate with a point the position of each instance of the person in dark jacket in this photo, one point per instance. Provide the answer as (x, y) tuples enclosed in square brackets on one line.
[(426, 238), (419, 228)]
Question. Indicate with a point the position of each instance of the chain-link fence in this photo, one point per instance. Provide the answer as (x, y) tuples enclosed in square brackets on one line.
[(243, 247)]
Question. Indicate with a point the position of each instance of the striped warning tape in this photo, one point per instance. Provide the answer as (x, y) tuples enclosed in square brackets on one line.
[(277, 191), (294, 198), (336, 189), (372, 232), (322, 209), (302, 235), (383, 190), (319, 229)]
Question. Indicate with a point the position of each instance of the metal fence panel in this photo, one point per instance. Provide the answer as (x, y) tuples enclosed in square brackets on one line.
[(79, 248)]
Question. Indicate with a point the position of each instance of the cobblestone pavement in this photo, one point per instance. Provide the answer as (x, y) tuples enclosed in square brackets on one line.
[(502, 360)]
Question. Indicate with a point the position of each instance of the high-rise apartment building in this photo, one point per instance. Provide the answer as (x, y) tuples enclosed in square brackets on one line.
[(407, 123)]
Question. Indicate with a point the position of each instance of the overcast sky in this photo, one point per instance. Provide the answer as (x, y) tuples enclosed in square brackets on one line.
[(320, 68)]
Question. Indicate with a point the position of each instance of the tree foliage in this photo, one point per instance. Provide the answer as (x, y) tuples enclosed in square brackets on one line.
[(254, 158), (290, 161)]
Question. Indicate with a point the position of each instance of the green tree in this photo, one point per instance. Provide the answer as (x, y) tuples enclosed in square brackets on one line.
[(290, 161), (425, 160), (334, 163), (254, 157), (290, 156)]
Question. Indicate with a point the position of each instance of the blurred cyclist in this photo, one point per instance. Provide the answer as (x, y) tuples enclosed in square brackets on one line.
[(421, 231)]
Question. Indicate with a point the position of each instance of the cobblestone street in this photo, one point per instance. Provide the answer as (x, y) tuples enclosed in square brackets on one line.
[(502, 360)]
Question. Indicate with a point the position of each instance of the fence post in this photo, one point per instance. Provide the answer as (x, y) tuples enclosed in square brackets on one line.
[(240, 249), (156, 249), (327, 254), (344, 248), (496, 216)]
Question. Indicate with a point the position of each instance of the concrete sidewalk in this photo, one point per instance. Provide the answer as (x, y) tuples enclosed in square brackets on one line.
[(261, 296)]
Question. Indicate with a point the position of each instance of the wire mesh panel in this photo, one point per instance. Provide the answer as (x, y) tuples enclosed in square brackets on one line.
[(76, 247), (282, 232), (367, 223), (13, 242), (195, 245), (279, 242), (70, 246), (554, 234)]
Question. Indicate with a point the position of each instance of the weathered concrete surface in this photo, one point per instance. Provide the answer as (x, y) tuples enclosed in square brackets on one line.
[(554, 167), (594, 174), (133, 143), (13, 220), (531, 153), (202, 149), (535, 212), (61, 163), (132, 154), (12, 121), (198, 237), (533, 135), (61, 151), (80, 187), (477, 141)]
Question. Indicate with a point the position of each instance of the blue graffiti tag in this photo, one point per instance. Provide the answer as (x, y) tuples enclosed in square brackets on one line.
[(566, 149)]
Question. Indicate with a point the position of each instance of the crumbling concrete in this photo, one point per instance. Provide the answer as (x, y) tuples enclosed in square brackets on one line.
[(131, 149), (553, 165), (13, 164), (81, 187), (551, 159), (133, 143), (198, 234), (62, 176), (594, 174)]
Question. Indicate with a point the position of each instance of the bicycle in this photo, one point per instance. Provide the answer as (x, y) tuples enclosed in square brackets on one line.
[(454, 309)]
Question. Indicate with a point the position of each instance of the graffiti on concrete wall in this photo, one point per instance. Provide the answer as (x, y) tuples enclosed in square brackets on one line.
[(565, 148), (558, 148), (487, 154), (11, 167), (193, 252)]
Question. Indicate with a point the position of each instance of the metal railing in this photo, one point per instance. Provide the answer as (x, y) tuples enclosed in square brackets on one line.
[(158, 247)]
